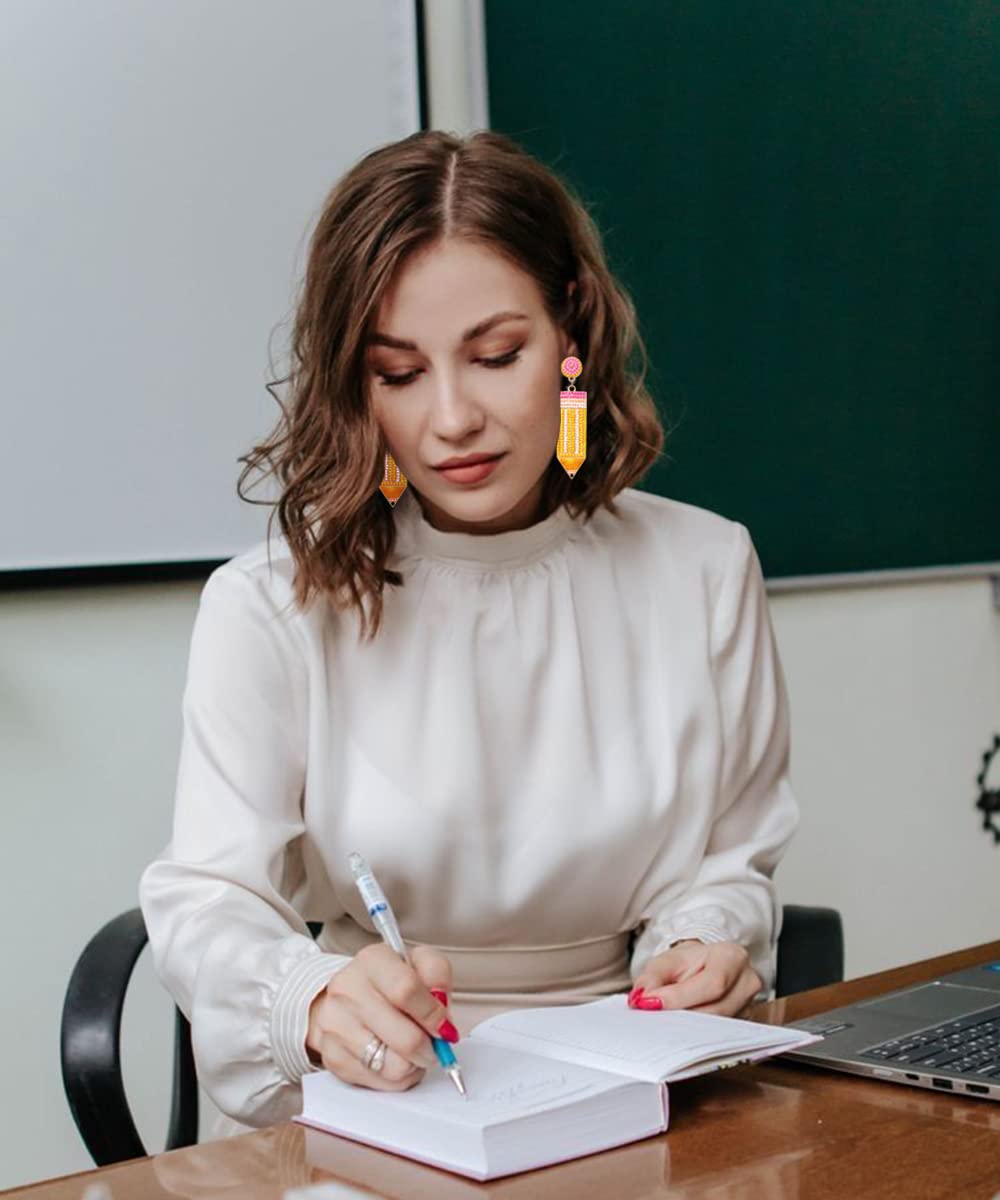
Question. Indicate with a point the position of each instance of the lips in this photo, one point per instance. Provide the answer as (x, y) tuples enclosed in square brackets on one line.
[(471, 461), (475, 469)]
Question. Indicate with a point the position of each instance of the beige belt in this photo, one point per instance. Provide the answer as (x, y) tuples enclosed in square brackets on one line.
[(502, 977)]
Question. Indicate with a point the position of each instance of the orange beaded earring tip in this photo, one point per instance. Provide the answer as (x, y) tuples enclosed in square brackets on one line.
[(393, 481), (571, 449)]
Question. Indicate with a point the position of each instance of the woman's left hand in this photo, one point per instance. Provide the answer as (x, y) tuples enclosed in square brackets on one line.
[(710, 978)]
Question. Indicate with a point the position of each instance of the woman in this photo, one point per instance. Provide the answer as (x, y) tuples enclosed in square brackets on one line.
[(560, 735)]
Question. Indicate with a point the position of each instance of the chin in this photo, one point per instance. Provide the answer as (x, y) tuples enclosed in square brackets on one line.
[(475, 507), (484, 505)]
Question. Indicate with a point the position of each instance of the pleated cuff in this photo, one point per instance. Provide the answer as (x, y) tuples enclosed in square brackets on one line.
[(290, 1012), (703, 931)]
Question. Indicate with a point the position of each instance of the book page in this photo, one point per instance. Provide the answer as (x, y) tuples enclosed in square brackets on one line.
[(609, 1036), (502, 1084)]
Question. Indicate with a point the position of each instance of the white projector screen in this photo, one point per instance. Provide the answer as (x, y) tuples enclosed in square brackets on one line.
[(163, 165)]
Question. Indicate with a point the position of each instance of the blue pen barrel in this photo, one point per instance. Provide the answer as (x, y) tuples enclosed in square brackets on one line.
[(443, 1050)]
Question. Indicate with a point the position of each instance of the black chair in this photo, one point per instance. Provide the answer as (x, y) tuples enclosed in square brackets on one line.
[(810, 949), (90, 1048), (810, 954)]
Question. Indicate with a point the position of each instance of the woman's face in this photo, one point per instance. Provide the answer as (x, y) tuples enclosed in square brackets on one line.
[(464, 388)]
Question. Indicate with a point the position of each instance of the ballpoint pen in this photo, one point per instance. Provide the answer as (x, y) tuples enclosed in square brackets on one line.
[(385, 922)]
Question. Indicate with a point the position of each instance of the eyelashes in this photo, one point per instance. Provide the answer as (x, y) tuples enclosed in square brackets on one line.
[(504, 360)]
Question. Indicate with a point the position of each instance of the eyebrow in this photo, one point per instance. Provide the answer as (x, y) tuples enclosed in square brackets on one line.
[(383, 339)]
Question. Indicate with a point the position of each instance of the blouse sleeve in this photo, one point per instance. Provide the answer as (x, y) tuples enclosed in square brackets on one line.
[(226, 942), (732, 895)]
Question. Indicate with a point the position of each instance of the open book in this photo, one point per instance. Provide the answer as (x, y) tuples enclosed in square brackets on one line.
[(544, 1085)]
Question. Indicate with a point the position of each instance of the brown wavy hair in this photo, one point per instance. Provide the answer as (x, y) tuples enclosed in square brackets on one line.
[(327, 450)]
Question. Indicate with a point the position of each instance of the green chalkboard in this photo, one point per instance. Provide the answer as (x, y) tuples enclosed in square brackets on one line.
[(803, 200)]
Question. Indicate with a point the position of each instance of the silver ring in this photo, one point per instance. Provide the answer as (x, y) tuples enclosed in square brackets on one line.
[(373, 1057), (378, 1062)]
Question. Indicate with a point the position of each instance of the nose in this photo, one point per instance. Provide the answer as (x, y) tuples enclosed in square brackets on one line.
[(455, 412)]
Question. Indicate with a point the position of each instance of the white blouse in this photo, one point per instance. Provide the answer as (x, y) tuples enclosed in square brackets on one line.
[(566, 749)]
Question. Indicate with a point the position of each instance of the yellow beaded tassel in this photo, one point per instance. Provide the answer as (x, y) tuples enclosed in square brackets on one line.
[(393, 481)]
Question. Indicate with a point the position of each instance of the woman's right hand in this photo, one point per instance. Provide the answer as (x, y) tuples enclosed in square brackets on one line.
[(379, 995)]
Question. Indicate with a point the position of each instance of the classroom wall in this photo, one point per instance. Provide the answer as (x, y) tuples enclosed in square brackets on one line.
[(895, 692)]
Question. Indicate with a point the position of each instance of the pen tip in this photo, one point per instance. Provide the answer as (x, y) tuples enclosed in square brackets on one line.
[(459, 1082)]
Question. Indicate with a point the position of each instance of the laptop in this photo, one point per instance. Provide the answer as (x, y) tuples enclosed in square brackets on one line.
[(943, 1035)]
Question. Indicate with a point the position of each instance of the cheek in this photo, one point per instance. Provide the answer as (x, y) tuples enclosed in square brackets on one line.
[(374, 405), (534, 400), (544, 419), (387, 415), (400, 429)]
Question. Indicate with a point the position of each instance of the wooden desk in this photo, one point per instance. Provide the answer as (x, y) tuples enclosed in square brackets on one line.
[(778, 1130)]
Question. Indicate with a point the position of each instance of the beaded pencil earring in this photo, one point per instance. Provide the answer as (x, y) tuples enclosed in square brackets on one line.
[(571, 449)]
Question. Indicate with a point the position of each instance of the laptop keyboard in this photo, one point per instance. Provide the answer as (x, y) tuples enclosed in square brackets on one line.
[(970, 1046)]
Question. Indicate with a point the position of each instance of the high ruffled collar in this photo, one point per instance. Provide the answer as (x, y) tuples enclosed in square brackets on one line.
[(416, 537)]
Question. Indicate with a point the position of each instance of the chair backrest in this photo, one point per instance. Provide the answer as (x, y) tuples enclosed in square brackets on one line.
[(810, 954), (810, 949), (90, 1049)]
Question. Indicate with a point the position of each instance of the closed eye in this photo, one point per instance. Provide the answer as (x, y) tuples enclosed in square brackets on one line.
[(505, 360)]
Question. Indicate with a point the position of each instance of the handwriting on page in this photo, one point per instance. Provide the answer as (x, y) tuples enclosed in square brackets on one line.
[(525, 1091), (500, 1083)]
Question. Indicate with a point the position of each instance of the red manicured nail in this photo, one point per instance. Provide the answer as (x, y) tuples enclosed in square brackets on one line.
[(650, 1003), (440, 995), (634, 995), (448, 1031)]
